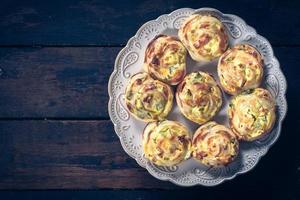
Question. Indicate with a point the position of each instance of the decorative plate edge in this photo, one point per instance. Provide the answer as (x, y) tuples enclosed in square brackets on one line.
[(279, 121)]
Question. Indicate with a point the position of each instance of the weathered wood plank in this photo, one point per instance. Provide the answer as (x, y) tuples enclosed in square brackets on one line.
[(67, 155), (55, 82), (76, 22), (48, 154), (183, 193), (72, 82)]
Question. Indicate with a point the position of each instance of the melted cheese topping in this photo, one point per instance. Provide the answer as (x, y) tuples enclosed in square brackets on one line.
[(214, 144), (252, 114), (147, 99), (199, 97), (204, 36), (166, 143), (165, 59), (240, 68)]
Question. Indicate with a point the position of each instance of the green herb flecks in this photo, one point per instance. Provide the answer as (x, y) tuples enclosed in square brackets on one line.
[(159, 106), (172, 69), (189, 93), (198, 76), (165, 132), (229, 59), (253, 116), (201, 109), (129, 95)]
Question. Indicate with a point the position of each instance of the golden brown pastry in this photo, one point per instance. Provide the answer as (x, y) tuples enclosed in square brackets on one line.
[(166, 143), (165, 59), (214, 144), (147, 99), (204, 36), (199, 97), (252, 114), (240, 68)]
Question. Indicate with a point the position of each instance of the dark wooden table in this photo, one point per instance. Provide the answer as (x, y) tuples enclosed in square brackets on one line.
[(55, 132)]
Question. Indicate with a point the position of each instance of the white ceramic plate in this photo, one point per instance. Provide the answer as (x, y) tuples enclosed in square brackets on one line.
[(129, 62)]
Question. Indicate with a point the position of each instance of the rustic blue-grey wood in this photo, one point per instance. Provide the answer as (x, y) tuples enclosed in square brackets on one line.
[(77, 22), (55, 82), (55, 133), (183, 193)]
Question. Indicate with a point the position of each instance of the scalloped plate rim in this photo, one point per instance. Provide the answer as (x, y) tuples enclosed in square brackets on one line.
[(115, 71)]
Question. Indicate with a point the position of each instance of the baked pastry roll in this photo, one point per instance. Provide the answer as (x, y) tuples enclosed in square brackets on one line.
[(214, 144), (147, 99), (166, 143), (199, 97), (240, 68), (165, 59), (252, 114), (204, 36)]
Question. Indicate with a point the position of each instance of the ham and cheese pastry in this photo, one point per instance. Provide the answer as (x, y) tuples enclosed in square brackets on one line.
[(214, 145), (204, 36), (252, 114), (199, 97), (165, 59), (166, 143), (240, 68), (147, 99)]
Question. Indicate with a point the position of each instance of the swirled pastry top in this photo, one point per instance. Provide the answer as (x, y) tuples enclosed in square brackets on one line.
[(214, 144), (252, 114), (240, 68), (166, 143), (165, 59), (204, 36), (199, 97), (148, 99)]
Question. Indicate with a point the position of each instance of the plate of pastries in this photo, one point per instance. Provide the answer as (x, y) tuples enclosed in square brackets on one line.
[(197, 97)]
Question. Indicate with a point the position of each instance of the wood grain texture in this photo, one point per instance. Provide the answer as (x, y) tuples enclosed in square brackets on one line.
[(77, 22), (55, 82), (47, 154), (184, 193), (72, 82), (67, 155)]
